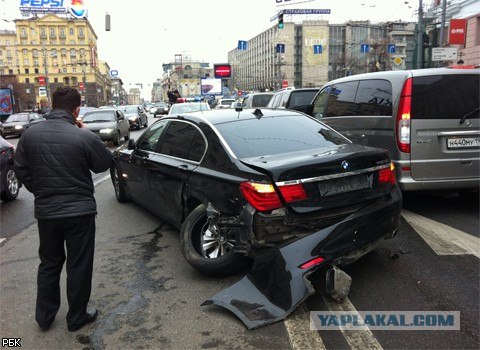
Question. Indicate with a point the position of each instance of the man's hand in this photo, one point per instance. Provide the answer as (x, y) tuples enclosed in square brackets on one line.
[(80, 124)]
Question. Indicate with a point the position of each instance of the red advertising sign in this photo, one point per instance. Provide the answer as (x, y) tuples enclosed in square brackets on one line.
[(41, 80), (222, 70), (284, 83), (81, 86), (458, 31)]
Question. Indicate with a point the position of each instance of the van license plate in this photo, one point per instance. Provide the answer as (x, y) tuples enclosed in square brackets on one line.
[(463, 142), (344, 184)]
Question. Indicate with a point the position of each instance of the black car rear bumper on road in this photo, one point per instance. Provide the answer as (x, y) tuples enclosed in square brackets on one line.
[(277, 283)]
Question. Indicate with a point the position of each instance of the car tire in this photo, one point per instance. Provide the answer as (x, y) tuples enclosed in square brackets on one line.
[(116, 139), (12, 186), (118, 185), (127, 136), (192, 233)]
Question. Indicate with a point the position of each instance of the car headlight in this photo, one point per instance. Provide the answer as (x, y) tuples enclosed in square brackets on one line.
[(106, 131), (18, 127), (133, 118)]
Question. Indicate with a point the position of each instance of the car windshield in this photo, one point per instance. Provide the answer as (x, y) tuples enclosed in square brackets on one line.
[(99, 117), (161, 104), (227, 102), (275, 135), (130, 110), (188, 107), (20, 117)]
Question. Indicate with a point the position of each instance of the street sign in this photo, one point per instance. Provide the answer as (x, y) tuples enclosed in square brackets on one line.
[(280, 48), (307, 11), (81, 86), (391, 48), (317, 49), (364, 48), (42, 91), (242, 45), (444, 53), (41, 80), (114, 73), (398, 61), (284, 83)]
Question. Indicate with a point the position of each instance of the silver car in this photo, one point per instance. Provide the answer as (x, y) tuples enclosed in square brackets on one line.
[(109, 124), (428, 119)]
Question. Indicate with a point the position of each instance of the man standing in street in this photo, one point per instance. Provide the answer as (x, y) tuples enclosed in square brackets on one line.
[(53, 160)]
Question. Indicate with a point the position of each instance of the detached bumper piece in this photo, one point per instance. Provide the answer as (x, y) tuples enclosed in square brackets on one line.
[(277, 282)]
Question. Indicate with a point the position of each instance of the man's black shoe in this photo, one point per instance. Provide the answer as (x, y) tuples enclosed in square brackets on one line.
[(89, 318), (45, 328)]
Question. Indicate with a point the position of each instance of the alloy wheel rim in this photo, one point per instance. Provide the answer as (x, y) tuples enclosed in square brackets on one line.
[(216, 243), (12, 182)]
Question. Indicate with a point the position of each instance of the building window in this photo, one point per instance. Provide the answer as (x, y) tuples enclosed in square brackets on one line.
[(74, 70), (24, 52), (33, 31), (27, 80), (42, 32), (7, 42), (64, 70), (36, 71), (64, 52), (55, 80), (72, 42), (35, 53), (10, 71), (23, 33), (1, 62), (25, 61), (52, 31), (62, 32), (9, 54), (80, 32), (53, 52), (2, 71), (73, 53), (27, 71), (71, 31), (35, 62)]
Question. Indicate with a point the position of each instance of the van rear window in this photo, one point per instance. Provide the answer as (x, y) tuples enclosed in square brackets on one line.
[(445, 96)]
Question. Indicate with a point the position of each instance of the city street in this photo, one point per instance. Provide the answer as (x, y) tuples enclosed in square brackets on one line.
[(148, 296)]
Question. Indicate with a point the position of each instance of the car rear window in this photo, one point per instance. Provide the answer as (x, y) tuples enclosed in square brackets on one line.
[(302, 98), (261, 100), (274, 135), (446, 96)]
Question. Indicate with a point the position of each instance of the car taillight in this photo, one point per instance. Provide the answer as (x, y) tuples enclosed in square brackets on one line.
[(313, 262), (403, 117), (387, 175), (263, 197)]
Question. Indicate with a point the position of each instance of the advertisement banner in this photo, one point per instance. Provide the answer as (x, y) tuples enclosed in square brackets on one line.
[(458, 31), (6, 102), (211, 86)]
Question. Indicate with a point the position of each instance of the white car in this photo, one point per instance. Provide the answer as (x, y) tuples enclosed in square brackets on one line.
[(224, 103)]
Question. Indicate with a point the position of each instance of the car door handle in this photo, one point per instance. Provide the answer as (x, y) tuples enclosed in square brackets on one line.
[(183, 167), (144, 159)]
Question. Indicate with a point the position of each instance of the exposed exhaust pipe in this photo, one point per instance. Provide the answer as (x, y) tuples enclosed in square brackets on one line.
[(337, 283)]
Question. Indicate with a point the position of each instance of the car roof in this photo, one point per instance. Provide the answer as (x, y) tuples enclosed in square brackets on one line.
[(219, 116)]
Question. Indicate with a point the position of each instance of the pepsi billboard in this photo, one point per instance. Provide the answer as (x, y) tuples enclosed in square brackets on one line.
[(76, 8)]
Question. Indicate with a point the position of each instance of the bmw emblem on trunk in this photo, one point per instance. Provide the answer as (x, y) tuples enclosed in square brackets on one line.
[(345, 165)]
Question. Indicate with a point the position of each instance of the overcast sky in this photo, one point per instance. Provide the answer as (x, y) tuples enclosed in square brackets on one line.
[(147, 33)]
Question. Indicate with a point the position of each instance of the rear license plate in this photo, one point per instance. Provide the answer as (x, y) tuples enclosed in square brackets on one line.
[(463, 142), (344, 184)]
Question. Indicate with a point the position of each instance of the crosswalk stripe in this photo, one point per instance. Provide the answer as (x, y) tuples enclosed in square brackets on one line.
[(299, 333), (358, 339), (2, 240), (443, 239)]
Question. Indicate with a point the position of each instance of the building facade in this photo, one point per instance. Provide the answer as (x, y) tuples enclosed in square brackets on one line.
[(55, 51)]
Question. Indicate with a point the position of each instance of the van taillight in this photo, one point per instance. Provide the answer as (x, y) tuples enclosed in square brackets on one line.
[(263, 197), (403, 117), (387, 175)]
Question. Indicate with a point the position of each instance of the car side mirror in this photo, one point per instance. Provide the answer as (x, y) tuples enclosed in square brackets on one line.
[(131, 144)]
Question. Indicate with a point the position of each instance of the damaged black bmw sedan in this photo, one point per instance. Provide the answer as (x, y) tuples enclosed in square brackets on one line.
[(239, 182)]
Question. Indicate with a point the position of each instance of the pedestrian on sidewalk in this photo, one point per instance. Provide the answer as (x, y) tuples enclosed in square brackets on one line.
[(53, 160)]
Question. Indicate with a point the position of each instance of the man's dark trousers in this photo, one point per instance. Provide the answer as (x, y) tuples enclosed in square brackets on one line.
[(79, 235)]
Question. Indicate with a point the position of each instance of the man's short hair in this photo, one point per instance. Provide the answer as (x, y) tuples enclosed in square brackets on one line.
[(66, 98)]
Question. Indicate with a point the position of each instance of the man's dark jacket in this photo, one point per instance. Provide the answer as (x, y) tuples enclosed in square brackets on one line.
[(53, 159)]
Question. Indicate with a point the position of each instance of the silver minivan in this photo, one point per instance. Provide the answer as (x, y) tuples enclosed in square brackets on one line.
[(428, 119)]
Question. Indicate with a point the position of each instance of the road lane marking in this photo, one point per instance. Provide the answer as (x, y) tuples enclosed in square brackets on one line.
[(103, 179), (2, 240), (443, 239), (358, 339), (298, 329)]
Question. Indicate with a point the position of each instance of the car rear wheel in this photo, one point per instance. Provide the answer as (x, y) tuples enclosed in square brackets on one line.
[(118, 185), (127, 136), (208, 248), (12, 186)]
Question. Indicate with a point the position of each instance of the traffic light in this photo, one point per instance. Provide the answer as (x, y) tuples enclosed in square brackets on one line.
[(280, 21)]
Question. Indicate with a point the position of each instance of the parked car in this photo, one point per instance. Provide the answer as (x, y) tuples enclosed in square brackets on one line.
[(257, 99), (159, 108), (17, 123), (109, 124), (224, 103), (289, 98), (188, 107), (136, 116), (9, 184), (428, 119), (236, 182)]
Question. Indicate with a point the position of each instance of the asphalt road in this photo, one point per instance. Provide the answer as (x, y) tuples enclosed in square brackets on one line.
[(149, 297)]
